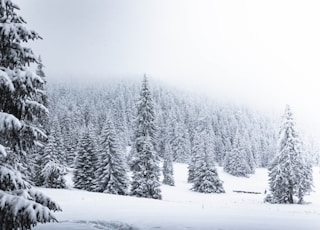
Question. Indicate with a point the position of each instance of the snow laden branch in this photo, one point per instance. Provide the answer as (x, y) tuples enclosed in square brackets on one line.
[(5, 80), (17, 211), (36, 106), (11, 179), (21, 206), (9, 123)]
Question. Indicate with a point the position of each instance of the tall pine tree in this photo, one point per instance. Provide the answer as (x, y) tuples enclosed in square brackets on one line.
[(290, 174), (112, 171), (145, 162), (20, 131)]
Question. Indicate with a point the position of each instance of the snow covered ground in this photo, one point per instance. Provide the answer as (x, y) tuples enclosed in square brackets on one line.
[(183, 209)]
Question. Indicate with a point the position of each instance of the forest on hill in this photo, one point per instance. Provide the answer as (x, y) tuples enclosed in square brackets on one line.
[(73, 107)]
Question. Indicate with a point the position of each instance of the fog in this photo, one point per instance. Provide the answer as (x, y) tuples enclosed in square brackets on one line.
[(264, 53)]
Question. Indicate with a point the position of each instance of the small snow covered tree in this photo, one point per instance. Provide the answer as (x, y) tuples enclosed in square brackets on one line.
[(52, 171), (112, 171), (20, 132), (205, 175), (290, 174), (236, 161), (145, 162), (168, 166), (86, 163)]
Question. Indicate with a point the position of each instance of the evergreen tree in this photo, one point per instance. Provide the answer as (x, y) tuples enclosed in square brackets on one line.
[(145, 163), (236, 162), (20, 131), (289, 174), (197, 148), (205, 175), (168, 166), (145, 180), (112, 171), (179, 143), (52, 172), (85, 165)]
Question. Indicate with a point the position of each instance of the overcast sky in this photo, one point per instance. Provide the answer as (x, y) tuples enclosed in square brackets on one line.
[(261, 52)]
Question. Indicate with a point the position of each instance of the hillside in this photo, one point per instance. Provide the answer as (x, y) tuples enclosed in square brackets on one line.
[(184, 209), (75, 106)]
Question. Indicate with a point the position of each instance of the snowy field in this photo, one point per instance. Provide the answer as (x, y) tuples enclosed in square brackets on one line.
[(183, 209)]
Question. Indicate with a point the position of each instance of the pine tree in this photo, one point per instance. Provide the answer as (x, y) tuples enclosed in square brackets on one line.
[(85, 166), (290, 174), (197, 148), (112, 171), (20, 131), (236, 161), (145, 163), (179, 141), (205, 175), (52, 171), (168, 178), (145, 180)]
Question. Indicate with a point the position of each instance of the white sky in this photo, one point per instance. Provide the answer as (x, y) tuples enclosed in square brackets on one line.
[(262, 52)]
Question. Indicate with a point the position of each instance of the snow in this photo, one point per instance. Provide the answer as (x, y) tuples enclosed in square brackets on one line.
[(182, 208), (8, 122), (5, 79), (3, 151)]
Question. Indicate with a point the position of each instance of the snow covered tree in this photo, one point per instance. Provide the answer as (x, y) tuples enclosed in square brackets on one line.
[(112, 171), (205, 177), (168, 166), (290, 174), (236, 160), (52, 171), (145, 179), (145, 162), (179, 141), (197, 149), (20, 132), (86, 163)]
